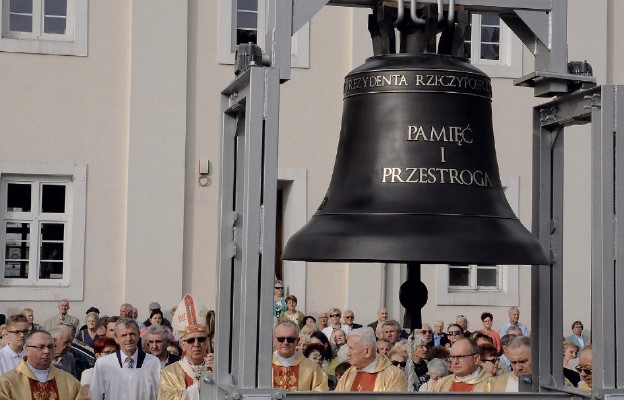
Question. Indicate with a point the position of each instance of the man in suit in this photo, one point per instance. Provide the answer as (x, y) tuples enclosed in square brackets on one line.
[(382, 316), (577, 336), (157, 340), (348, 317), (62, 317)]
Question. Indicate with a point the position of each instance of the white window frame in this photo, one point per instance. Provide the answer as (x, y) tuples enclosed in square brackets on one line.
[(73, 43), (71, 286), (300, 43), (509, 294), (510, 63)]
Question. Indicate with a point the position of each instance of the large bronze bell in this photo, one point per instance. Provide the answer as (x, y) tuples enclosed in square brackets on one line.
[(416, 177)]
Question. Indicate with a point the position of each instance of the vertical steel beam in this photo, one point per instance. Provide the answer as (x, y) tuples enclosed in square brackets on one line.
[(247, 228), (606, 277)]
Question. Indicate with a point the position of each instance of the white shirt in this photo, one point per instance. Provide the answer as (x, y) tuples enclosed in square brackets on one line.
[(9, 359), (125, 383), (330, 329)]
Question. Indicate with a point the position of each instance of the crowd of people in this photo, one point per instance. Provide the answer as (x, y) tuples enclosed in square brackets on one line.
[(162, 359), (332, 352), (153, 359)]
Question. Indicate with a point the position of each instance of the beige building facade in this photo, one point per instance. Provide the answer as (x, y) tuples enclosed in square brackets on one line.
[(120, 120)]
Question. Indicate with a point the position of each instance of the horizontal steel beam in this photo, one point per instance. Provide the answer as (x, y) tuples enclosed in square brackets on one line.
[(499, 6)]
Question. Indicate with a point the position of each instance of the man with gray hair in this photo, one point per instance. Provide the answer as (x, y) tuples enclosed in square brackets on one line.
[(391, 331), (514, 317), (129, 373), (291, 370), (157, 341), (519, 354), (369, 371), (63, 358)]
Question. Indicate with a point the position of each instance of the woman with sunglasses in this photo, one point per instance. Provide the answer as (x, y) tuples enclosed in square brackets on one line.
[(279, 303), (570, 350), (454, 332), (489, 358)]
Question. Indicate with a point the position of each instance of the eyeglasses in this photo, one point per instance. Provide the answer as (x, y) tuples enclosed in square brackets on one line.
[(289, 339), (16, 333), (429, 332), (401, 363), (460, 358), (586, 370), (40, 347), (316, 356), (348, 317), (279, 287), (492, 360), (335, 315), (454, 333), (107, 352), (200, 339), (519, 361)]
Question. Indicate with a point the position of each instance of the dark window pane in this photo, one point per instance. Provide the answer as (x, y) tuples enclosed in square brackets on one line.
[(246, 20), (249, 5), (52, 231), (54, 25), (55, 7), (489, 51), (487, 277), (21, 6), (245, 36), (16, 269), (53, 198), (490, 34), (488, 19), (18, 197), (20, 23), (459, 276), (51, 251), (50, 270)]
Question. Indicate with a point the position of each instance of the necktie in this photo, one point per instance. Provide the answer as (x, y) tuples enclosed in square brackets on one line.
[(129, 363)]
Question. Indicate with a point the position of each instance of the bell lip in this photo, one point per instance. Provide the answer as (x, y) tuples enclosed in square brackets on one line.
[(426, 239)]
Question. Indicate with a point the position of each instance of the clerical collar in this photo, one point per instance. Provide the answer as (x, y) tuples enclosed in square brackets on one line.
[(41, 374), (370, 367), (469, 376), (286, 362)]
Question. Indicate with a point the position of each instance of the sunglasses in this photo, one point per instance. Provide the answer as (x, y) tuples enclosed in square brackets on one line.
[(201, 339), (453, 333), (427, 332), (335, 315), (401, 363), (289, 339), (279, 287), (586, 370)]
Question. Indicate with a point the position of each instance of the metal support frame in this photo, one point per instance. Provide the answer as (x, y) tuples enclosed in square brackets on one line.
[(602, 106), (248, 187)]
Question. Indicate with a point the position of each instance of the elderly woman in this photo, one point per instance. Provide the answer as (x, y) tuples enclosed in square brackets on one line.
[(291, 312), (337, 339), (419, 362), (438, 369), (398, 356), (570, 350), (89, 334)]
